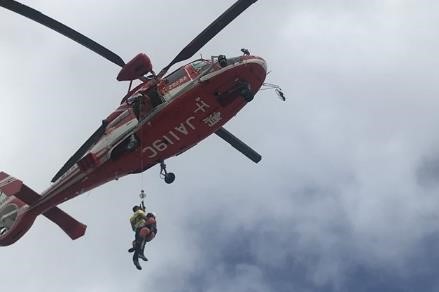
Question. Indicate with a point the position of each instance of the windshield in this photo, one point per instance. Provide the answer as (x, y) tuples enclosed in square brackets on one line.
[(200, 65)]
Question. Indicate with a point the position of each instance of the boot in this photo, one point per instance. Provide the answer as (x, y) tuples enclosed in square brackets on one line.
[(142, 256), (136, 261), (141, 249), (133, 248)]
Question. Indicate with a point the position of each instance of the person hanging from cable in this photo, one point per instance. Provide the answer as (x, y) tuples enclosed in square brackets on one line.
[(145, 228)]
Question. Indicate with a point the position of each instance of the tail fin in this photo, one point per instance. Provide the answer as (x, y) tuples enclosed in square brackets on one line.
[(15, 221)]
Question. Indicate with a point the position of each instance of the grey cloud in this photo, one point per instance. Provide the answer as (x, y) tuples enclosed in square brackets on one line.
[(428, 172), (343, 200)]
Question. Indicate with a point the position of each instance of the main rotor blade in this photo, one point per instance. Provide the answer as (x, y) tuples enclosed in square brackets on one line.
[(51, 23), (81, 151), (239, 145), (208, 33)]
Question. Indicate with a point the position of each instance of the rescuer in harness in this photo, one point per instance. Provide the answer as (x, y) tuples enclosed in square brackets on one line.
[(145, 228)]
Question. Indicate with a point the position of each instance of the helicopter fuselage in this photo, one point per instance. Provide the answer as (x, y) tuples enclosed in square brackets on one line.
[(162, 117), (197, 99)]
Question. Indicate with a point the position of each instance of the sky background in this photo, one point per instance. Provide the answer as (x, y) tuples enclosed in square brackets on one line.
[(345, 198)]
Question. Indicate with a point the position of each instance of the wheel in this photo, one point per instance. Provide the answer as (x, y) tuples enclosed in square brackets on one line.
[(246, 93), (169, 178)]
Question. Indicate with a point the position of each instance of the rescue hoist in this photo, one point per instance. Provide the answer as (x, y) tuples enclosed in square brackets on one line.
[(142, 196)]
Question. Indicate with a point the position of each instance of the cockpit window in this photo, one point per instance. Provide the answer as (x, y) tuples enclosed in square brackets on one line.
[(200, 65), (176, 75)]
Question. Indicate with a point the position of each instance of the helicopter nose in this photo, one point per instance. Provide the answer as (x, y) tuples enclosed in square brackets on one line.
[(255, 61), (261, 62), (256, 65), (248, 59)]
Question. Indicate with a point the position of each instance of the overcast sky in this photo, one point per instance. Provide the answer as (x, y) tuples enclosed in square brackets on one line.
[(345, 198)]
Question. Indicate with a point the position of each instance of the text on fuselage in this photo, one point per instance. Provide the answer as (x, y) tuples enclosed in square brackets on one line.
[(174, 135)]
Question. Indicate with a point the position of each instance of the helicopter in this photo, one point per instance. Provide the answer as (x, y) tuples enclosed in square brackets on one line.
[(163, 116)]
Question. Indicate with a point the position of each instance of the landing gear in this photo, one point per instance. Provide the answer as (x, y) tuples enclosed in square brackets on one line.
[(169, 177), (246, 93)]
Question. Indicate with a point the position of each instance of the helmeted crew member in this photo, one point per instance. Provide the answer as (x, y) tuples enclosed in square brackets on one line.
[(141, 104), (145, 228)]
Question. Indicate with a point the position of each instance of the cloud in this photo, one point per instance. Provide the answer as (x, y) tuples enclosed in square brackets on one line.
[(343, 200)]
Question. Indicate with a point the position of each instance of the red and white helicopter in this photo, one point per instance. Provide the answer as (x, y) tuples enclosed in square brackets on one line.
[(162, 117)]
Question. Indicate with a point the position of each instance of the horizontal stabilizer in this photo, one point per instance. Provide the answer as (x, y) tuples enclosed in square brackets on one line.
[(239, 145), (71, 226)]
